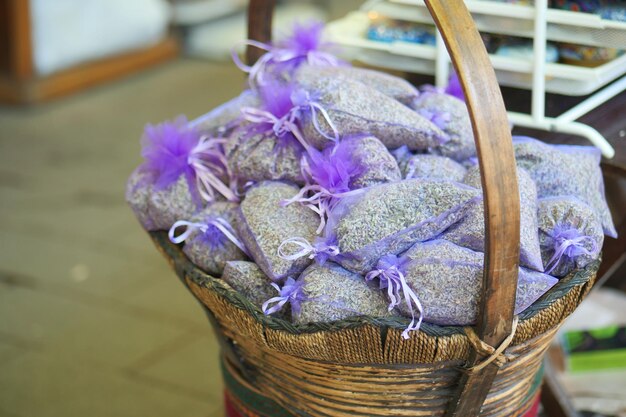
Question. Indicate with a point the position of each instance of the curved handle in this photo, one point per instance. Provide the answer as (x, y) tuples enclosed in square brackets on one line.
[(499, 180)]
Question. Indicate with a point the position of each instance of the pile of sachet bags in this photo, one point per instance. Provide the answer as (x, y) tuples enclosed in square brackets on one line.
[(326, 191)]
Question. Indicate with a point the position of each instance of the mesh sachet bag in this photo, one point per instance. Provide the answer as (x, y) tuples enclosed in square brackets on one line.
[(566, 170), (428, 166), (447, 280), (570, 234), (470, 232), (450, 115), (181, 172), (209, 238), (389, 218), (264, 223), (328, 292), (355, 108), (391, 86)]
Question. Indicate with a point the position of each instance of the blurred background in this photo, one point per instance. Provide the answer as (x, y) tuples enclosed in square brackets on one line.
[(92, 320)]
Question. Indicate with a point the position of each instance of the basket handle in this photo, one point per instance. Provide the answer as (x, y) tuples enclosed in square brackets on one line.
[(498, 175)]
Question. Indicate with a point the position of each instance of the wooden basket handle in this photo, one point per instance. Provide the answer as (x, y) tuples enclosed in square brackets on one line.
[(498, 174)]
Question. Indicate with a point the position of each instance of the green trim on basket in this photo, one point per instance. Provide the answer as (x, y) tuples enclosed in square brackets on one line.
[(253, 401), (185, 268)]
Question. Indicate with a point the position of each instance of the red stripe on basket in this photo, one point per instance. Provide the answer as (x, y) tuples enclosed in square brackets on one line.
[(534, 410)]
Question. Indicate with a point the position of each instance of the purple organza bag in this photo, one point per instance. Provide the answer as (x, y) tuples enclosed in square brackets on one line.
[(565, 170), (391, 86), (389, 218), (447, 280), (182, 171), (428, 166), (264, 224), (450, 115), (375, 165), (332, 293), (221, 120), (357, 109), (569, 233), (248, 279), (470, 232), (209, 239)]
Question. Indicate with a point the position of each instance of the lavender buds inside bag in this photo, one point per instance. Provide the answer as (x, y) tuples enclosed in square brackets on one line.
[(264, 224), (448, 282), (221, 120), (248, 279), (428, 166), (570, 234), (564, 170), (355, 108), (470, 232), (391, 86), (389, 218), (333, 293), (450, 115)]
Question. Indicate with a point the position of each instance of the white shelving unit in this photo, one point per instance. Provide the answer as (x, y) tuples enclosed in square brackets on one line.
[(537, 22)]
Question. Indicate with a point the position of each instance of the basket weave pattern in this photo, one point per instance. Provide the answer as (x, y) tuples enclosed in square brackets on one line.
[(363, 366)]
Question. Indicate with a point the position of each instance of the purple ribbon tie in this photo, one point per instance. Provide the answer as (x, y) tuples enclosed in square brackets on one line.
[(209, 162), (392, 278), (292, 292), (219, 223), (320, 250), (569, 243)]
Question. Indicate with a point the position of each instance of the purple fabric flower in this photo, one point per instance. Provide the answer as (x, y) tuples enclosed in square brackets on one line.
[(440, 119), (334, 169), (291, 292), (305, 37), (454, 87), (166, 148)]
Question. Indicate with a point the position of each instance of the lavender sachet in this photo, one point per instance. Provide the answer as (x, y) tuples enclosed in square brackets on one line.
[(182, 171), (391, 86), (220, 121), (264, 223), (325, 293), (354, 108), (389, 218), (209, 238), (447, 281), (470, 232), (565, 170), (570, 234), (450, 115)]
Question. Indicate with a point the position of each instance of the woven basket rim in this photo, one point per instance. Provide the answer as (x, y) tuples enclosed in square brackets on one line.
[(185, 268)]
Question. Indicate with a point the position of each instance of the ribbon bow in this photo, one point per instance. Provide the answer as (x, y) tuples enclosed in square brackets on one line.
[(218, 224), (569, 243), (292, 292), (389, 272), (209, 162), (320, 250)]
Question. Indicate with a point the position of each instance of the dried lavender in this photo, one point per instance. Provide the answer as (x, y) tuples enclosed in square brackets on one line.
[(389, 85), (354, 108), (248, 279), (209, 245), (333, 293), (376, 164), (389, 218), (448, 281), (170, 204), (264, 224), (264, 157), (428, 166), (569, 233), (470, 232), (138, 189), (564, 170), (451, 115), (222, 119)]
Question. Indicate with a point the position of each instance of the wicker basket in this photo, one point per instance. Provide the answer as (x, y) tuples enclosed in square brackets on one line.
[(363, 366)]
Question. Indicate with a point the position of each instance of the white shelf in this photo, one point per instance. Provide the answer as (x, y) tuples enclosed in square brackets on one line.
[(518, 20), (574, 80)]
